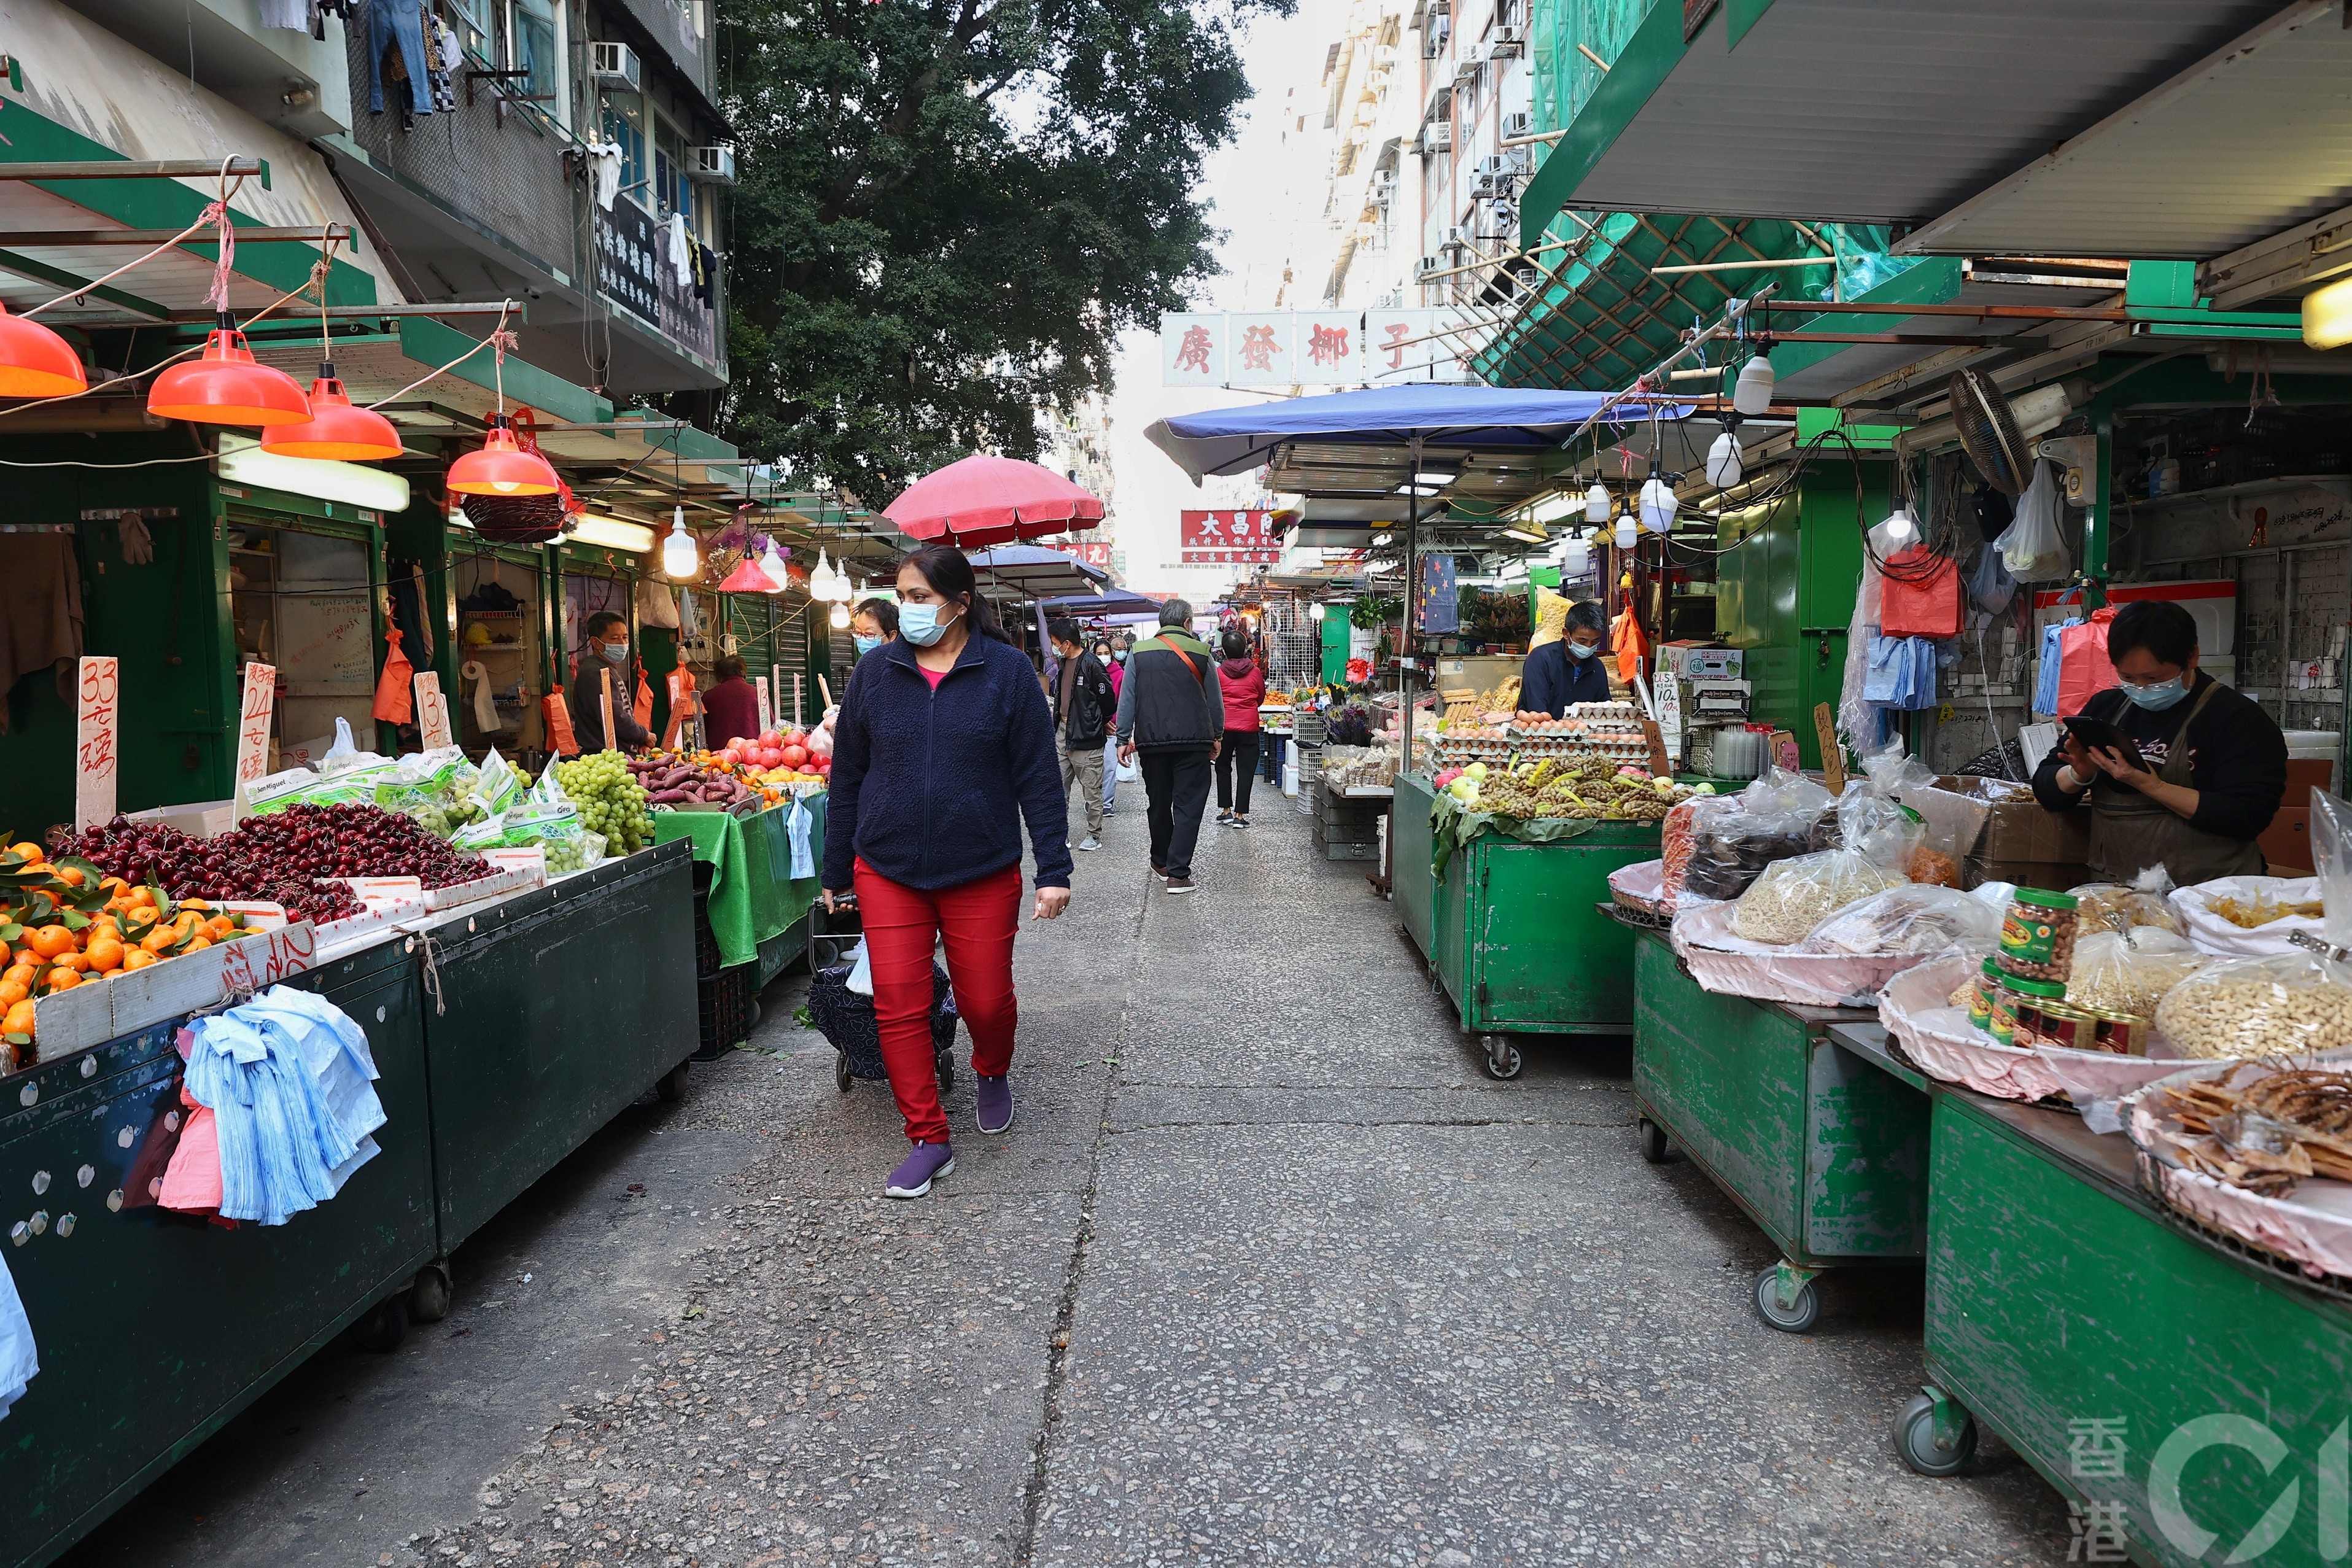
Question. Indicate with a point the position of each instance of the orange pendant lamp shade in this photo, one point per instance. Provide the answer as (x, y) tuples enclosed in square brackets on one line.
[(337, 430), (228, 386), (502, 468), (37, 363)]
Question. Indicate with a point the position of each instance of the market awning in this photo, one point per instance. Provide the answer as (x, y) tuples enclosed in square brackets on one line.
[(1455, 420), (2253, 138), (1033, 572), (1861, 111), (1109, 602), (89, 97)]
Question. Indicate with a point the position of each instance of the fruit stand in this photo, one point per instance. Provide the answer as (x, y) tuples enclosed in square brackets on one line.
[(1824, 1147), (2180, 1385)]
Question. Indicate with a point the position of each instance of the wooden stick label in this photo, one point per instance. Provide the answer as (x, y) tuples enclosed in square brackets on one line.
[(96, 715)]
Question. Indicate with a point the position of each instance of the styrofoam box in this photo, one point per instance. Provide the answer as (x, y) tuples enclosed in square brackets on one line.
[(197, 819)]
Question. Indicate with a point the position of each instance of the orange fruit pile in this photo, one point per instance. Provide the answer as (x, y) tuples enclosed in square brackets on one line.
[(63, 923)]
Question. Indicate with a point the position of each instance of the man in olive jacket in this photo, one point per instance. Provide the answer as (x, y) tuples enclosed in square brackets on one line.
[(1172, 711)]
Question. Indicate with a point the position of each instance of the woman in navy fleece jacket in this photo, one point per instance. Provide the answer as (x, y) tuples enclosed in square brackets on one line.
[(943, 743)]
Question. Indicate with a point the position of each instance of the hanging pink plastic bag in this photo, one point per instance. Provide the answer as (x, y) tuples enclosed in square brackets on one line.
[(2084, 668), (1921, 595)]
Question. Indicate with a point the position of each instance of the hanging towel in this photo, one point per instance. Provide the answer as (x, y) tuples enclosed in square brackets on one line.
[(486, 709), (282, 1143), (294, 16), (797, 825), (19, 1363), (605, 172), (681, 250), (2054, 660), (394, 702)]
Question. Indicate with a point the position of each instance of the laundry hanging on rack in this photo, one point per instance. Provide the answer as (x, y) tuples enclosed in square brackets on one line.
[(605, 172), (681, 250)]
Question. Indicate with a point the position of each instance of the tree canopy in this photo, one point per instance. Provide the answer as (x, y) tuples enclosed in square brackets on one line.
[(950, 208)]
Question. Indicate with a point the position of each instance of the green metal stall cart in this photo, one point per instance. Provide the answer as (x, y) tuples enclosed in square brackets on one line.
[(1822, 1142), (1511, 931)]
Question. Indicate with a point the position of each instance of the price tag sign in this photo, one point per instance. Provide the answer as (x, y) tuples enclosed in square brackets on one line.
[(1832, 760), (531, 860), (432, 709), (255, 708), (94, 750), (381, 892), (605, 701), (767, 713)]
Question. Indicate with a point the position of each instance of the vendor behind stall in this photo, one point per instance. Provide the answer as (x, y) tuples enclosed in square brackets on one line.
[(607, 654), (2215, 764), (1568, 670), (731, 706)]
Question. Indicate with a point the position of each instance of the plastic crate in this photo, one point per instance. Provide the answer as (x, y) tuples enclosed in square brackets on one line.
[(707, 956), (725, 1011)]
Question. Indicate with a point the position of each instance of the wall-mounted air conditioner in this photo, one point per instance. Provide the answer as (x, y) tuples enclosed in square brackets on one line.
[(1503, 43), (614, 65), (1383, 178), (1515, 125), (1427, 265), (712, 165), (1437, 137), (1456, 237)]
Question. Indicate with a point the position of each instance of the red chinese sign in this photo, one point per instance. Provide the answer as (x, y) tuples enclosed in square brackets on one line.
[(258, 702), (1093, 552), (94, 742), (1228, 538)]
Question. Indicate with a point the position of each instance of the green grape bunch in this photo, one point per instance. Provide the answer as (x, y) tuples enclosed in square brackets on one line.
[(609, 800)]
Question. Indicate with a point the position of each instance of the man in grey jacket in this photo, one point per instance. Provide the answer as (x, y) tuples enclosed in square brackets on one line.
[(1172, 711)]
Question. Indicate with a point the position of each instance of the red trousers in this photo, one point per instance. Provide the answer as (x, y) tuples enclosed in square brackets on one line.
[(977, 920)]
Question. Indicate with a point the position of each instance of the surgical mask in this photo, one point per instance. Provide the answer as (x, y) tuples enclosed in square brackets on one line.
[(1578, 650), (865, 645), (920, 624), (2157, 698), (1120, 655), (614, 653)]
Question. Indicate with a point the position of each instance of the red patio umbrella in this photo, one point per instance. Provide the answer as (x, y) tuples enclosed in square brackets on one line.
[(982, 500)]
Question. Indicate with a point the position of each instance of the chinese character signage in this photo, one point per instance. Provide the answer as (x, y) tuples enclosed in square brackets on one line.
[(1228, 538), (94, 749), (1329, 349), (628, 259), (1093, 552), (1311, 348), (256, 705), (1192, 350), (1263, 351)]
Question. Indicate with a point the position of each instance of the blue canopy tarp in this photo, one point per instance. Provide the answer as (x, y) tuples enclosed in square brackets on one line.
[(1109, 602), (1235, 440)]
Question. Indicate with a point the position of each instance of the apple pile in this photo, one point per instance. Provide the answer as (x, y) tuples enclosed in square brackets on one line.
[(777, 750)]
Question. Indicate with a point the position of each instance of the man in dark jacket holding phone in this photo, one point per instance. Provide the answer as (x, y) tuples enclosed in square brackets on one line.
[(1171, 710), (1084, 708)]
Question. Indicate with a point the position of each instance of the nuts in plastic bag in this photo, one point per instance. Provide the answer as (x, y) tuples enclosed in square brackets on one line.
[(1793, 896), (2129, 971), (2143, 901), (2284, 1004), (1917, 918)]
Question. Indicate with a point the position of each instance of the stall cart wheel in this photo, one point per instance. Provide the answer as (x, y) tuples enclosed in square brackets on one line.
[(1785, 1298), (382, 1329), (841, 1079), (945, 1063), (671, 1085), (1503, 1058), (1934, 1435), (428, 1294), (1654, 1147)]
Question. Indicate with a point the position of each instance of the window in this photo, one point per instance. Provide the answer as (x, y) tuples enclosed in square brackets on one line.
[(623, 122), (671, 161), (472, 20), (532, 45)]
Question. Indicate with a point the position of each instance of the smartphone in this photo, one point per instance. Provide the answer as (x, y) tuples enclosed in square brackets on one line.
[(2100, 735)]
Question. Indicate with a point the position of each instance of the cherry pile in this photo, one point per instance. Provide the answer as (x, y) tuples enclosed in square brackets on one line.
[(286, 858)]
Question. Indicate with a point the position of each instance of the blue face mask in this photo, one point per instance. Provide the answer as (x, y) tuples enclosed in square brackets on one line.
[(865, 645), (614, 654), (1578, 650), (920, 624), (2157, 698)]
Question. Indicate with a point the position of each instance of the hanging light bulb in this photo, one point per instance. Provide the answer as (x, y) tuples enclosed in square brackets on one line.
[(37, 363), (228, 386), (1900, 531), (773, 565), (337, 430), (1576, 559), (501, 468), (1723, 468), (1752, 393), (1626, 532), (678, 558), (821, 579), (1596, 503), (1315, 611), (840, 616), (1658, 504)]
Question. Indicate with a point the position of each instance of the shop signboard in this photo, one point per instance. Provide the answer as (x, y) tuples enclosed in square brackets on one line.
[(1331, 348), (1093, 552), (97, 712), (256, 705), (1317, 348), (1264, 349), (1193, 349), (629, 255), (1228, 538)]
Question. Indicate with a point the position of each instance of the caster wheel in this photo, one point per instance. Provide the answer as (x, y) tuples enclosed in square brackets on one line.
[(751, 1016), (428, 1296), (841, 1079), (945, 1063), (1916, 1441), (671, 1085), (1654, 1148), (1799, 1319), (1503, 1058), (382, 1329)]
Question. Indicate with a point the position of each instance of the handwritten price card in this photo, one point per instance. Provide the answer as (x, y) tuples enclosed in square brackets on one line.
[(255, 708), (94, 748)]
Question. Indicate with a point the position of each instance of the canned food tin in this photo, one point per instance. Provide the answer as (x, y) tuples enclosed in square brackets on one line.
[(1980, 991), (2037, 935), (2057, 1024), (2013, 1002), (2125, 1034)]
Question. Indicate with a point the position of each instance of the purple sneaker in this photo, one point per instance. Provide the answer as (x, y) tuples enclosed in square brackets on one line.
[(993, 1098), (918, 1170)]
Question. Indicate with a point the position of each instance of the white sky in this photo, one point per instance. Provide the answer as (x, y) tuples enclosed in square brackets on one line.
[(1239, 180)]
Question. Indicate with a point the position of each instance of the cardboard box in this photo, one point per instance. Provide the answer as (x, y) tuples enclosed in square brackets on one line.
[(2021, 830), (1695, 661), (2286, 843), (2056, 875), (197, 819)]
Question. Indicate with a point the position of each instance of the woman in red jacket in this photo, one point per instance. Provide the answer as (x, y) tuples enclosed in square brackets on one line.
[(1245, 687)]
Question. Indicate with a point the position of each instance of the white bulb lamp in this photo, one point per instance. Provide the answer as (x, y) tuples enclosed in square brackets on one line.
[(679, 557)]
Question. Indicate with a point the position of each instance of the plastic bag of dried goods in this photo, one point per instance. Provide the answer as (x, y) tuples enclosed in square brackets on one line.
[(1793, 896), (1917, 918), (2130, 971)]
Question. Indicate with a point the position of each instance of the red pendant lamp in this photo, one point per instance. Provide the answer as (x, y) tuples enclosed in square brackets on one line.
[(502, 468), (228, 386), (337, 430), (37, 363)]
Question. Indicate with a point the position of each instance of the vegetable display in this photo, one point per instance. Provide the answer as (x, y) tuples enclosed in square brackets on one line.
[(667, 782), (611, 801)]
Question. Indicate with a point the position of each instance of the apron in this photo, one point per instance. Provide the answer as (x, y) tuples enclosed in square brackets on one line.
[(2130, 833)]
